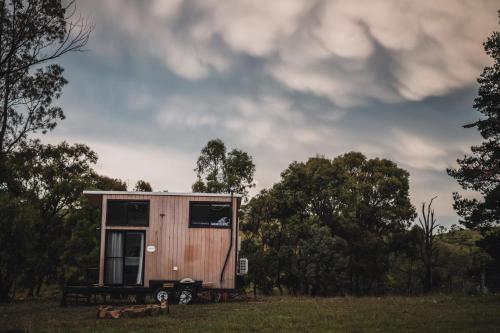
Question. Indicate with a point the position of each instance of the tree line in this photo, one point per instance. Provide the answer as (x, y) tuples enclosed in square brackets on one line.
[(345, 226)]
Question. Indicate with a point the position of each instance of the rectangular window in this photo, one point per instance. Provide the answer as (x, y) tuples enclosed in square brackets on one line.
[(124, 258), (210, 214), (128, 213)]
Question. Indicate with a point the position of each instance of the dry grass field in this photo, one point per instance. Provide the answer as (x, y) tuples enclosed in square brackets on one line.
[(273, 314)]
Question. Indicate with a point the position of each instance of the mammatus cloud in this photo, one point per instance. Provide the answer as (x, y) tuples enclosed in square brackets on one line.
[(328, 48), (284, 80)]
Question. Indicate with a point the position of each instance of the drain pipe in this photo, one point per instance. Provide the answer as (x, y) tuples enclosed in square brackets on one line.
[(230, 243)]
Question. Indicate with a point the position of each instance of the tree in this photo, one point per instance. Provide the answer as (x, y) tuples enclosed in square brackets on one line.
[(480, 171), (428, 247), (405, 261), (53, 178), (358, 202), (143, 186), (105, 183), (81, 250), (461, 258), (361, 200), (322, 257), (257, 217), (17, 220), (220, 172), (33, 32)]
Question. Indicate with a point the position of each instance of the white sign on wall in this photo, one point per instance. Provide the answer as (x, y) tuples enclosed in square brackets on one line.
[(151, 248)]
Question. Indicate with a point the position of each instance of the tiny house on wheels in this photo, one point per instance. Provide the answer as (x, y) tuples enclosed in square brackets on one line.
[(169, 245)]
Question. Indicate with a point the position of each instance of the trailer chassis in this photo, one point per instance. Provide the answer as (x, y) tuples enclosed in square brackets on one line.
[(175, 291)]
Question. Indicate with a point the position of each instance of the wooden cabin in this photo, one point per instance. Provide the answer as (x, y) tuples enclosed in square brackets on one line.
[(151, 238)]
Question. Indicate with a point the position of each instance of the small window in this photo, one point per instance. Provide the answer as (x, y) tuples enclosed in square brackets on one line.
[(128, 213), (210, 214)]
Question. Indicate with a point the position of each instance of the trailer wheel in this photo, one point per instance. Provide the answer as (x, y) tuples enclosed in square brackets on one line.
[(186, 295), (161, 295)]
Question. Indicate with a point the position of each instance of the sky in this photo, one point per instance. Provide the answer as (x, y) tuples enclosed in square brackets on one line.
[(283, 80)]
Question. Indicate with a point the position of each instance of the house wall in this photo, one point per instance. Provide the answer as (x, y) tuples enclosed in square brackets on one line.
[(199, 253)]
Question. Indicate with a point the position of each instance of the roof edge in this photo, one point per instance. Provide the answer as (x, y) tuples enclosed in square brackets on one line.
[(191, 194)]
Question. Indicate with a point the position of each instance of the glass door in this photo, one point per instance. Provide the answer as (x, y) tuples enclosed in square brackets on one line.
[(124, 258)]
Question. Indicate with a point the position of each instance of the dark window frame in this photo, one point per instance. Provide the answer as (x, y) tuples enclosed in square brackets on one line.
[(127, 213), (191, 225), (123, 257)]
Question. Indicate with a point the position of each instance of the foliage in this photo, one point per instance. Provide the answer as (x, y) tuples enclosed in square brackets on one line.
[(81, 250), (347, 207), (53, 229), (17, 221), (53, 178), (480, 171), (143, 186), (32, 33), (323, 257), (406, 268), (105, 183), (219, 171)]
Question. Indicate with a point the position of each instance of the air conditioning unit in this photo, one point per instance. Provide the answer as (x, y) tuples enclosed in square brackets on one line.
[(243, 266)]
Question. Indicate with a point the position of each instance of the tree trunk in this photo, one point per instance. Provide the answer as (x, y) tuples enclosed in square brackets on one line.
[(13, 292), (39, 286), (280, 288), (5, 107), (410, 278), (483, 281), (30, 292), (351, 276)]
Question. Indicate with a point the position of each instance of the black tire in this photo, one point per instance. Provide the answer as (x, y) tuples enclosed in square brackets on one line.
[(161, 294), (186, 295)]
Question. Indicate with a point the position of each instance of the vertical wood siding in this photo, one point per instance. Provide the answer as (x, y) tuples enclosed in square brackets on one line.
[(199, 253)]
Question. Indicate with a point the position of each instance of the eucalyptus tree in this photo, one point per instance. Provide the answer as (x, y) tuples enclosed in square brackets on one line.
[(53, 178), (219, 171), (143, 186), (33, 33), (327, 223)]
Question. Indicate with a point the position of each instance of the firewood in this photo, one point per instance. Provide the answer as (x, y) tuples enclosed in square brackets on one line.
[(115, 314), (165, 307), (132, 311), (101, 312)]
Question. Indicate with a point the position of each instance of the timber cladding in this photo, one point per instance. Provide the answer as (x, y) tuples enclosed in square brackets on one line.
[(198, 253)]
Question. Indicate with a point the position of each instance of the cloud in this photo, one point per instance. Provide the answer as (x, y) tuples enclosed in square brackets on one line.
[(184, 113), (419, 153), (137, 161), (327, 48), (269, 121), (283, 80)]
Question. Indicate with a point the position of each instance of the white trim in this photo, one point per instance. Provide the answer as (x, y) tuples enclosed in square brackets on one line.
[(228, 195)]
